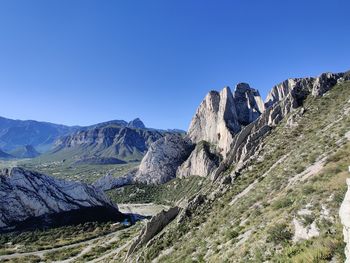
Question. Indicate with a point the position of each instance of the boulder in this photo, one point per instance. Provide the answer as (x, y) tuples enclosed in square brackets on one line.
[(153, 227), (161, 161)]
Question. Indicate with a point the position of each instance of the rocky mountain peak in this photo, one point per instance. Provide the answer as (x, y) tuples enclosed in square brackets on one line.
[(136, 123), (215, 120), (248, 103)]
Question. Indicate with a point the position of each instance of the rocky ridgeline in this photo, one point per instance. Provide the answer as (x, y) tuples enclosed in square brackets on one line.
[(109, 140), (227, 129), (222, 114), (29, 200)]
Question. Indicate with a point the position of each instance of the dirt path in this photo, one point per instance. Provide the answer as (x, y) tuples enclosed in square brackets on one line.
[(139, 210), (41, 253)]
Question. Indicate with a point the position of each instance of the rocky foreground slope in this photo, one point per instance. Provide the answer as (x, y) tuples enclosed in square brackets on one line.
[(29, 200), (278, 185)]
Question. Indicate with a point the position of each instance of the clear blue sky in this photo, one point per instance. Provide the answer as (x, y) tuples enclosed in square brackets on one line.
[(83, 62)]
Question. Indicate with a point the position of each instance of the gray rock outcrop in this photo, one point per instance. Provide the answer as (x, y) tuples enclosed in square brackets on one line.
[(283, 99), (164, 156), (222, 115), (153, 227), (109, 182), (203, 161), (344, 214), (26, 195), (215, 121), (136, 123), (248, 103)]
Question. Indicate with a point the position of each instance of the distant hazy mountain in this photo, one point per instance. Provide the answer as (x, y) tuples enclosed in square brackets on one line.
[(27, 151), (41, 135), (95, 143), (4, 155), (105, 141)]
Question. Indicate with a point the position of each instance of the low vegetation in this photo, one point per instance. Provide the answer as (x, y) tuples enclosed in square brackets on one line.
[(259, 226), (53, 238), (166, 194)]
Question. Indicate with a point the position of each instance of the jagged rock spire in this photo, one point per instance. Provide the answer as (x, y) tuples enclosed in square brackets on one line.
[(248, 103), (221, 115), (215, 120)]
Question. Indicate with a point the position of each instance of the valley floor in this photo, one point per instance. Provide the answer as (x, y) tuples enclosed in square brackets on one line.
[(104, 248)]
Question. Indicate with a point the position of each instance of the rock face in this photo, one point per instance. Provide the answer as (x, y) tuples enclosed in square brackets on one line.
[(283, 99), (203, 161), (29, 200), (248, 103), (215, 120), (108, 182), (304, 233), (162, 159), (344, 214), (222, 115), (299, 88), (136, 123), (124, 143), (153, 227)]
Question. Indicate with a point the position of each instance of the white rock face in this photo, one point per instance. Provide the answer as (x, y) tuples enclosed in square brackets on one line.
[(325, 82), (283, 99), (304, 233), (25, 194), (108, 182), (215, 120), (202, 162), (344, 214), (164, 156), (299, 88), (153, 227), (222, 115)]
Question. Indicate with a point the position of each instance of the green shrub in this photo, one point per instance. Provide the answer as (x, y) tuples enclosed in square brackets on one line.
[(282, 203), (279, 233)]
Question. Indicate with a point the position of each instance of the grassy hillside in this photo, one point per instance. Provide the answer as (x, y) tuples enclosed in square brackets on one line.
[(297, 182), (167, 194)]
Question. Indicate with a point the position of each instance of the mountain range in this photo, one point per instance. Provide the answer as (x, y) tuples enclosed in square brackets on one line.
[(270, 178), (116, 139)]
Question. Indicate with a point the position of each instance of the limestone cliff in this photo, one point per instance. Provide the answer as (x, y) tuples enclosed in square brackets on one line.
[(216, 120), (29, 199), (203, 161), (160, 163), (248, 104)]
